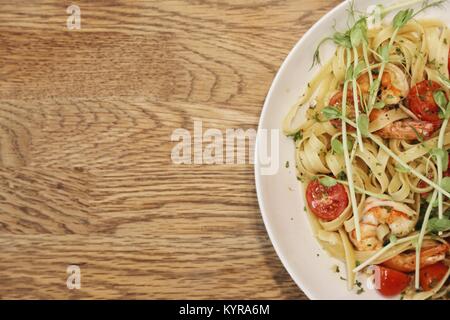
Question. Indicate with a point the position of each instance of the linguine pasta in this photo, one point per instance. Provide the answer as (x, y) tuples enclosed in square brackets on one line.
[(363, 133)]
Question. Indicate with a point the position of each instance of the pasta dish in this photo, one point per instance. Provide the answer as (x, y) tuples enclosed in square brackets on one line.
[(373, 152)]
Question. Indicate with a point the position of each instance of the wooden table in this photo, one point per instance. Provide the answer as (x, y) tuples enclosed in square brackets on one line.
[(86, 176)]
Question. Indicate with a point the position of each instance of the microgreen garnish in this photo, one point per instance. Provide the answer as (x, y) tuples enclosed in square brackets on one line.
[(363, 125), (355, 41), (440, 155), (444, 79), (316, 56), (328, 181), (445, 184), (337, 147), (384, 53), (437, 225), (358, 34), (379, 105), (331, 113), (444, 106), (402, 18), (342, 39)]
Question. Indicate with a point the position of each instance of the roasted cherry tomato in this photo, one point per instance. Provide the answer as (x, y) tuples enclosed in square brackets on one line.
[(327, 203), (391, 282), (421, 101), (431, 275)]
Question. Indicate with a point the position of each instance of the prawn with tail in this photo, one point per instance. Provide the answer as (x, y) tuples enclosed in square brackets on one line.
[(380, 219)]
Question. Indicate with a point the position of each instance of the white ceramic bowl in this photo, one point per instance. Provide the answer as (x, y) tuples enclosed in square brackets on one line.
[(280, 198)]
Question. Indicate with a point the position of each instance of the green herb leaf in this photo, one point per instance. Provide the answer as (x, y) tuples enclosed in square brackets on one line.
[(402, 18), (379, 105), (342, 39), (445, 114), (384, 53), (359, 69), (331, 113), (297, 136), (362, 25), (436, 225), (441, 101), (441, 155), (374, 87), (316, 57), (446, 184), (328, 181), (349, 73), (342, 176), (363, 125), (337, 147), (356, 35), (444, 79)]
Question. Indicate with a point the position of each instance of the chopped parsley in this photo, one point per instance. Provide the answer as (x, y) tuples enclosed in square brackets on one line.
[(342, 176), (297, 136)]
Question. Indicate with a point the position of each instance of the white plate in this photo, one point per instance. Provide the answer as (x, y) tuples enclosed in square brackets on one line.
[(279, 195)]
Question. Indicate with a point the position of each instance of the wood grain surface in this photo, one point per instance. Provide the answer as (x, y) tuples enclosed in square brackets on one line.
[(86, 176)]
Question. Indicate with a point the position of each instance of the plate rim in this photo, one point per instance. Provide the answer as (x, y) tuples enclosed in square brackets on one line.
[(309, 292)]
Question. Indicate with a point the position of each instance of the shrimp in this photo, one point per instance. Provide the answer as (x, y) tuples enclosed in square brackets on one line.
[(394, 85), (381, 217), (369, 240), (431, 253), (394, 88), (406, 129)]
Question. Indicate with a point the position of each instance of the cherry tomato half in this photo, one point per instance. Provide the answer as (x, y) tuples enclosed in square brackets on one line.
[(431, 275), (391, 282), (421, 101), (327, 203)]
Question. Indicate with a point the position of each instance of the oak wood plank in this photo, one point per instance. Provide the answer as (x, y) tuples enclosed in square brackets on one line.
[(86, 119)]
